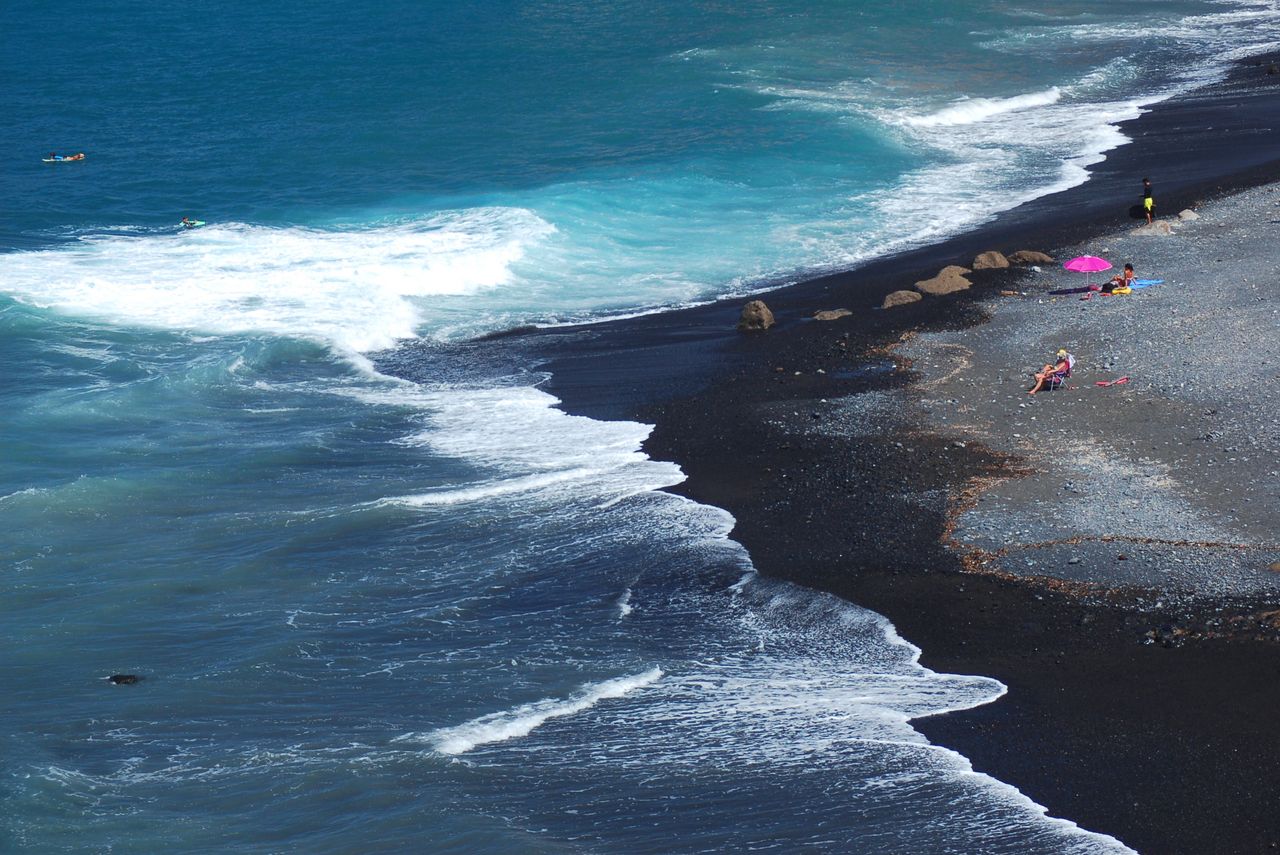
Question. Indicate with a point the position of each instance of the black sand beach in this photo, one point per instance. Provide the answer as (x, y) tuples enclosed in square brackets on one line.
[(1137, 708)]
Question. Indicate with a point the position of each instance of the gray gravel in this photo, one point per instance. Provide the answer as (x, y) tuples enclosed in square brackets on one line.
[(1178, 469)]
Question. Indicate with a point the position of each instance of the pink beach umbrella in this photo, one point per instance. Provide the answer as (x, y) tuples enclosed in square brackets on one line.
[(1087, 264)]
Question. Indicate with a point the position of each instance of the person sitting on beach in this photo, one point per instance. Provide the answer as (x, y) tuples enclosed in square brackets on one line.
[(1120, 280), (1054, 375)]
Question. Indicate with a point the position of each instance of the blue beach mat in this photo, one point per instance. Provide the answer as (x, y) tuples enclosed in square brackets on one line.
[(1147, 283)]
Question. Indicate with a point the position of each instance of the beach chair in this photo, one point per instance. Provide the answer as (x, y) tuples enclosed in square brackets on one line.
[(1058, 379)]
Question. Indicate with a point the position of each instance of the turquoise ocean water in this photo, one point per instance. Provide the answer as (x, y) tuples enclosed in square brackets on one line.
[(380, 615)]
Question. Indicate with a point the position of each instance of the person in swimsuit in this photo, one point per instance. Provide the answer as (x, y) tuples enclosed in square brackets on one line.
[(1054, 375), (1148, 201), (1120, 280)]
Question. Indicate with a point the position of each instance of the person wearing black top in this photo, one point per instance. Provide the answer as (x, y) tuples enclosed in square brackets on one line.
[(1148, 202)]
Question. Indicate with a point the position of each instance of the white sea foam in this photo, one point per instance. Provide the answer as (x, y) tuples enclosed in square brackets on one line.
[(970, 110), (827, 683), (523, 443), (358, 289), (496, 489), (624, 604), (988, 155), (1242, 29), (520, 721), (29, 491), (984, 155)]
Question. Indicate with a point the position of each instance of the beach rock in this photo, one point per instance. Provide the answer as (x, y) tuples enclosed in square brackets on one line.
[(123, 679), (1188, 214), (901, 298), (990, 260), (1273, 69), (1030, 256), (948, 280), (831, 314), (1167, 635), (755, 316), (1159, 227)]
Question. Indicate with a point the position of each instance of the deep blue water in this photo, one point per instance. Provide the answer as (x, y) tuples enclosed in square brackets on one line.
[(381, 615)]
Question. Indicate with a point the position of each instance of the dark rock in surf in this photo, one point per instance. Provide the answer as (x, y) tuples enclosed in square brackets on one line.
[(123, 679), (831, 314), (755, 316)]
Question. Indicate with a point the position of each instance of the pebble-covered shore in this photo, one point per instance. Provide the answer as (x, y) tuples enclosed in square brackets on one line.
[(1170, 480)]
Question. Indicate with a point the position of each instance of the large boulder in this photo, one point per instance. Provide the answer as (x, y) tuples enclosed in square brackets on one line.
[(755, 316), (901, 298), (1030, 256), (990, 260), (1159, 227), (831, 314), (1188, 214), (948, 280)]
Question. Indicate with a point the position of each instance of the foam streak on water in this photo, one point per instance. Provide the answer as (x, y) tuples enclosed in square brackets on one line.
[(500, 726)]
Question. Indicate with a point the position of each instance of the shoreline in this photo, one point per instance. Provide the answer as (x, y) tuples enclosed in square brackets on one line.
[(1121, 737)]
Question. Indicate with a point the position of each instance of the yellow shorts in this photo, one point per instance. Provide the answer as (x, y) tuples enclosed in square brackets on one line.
[(1148, 203)]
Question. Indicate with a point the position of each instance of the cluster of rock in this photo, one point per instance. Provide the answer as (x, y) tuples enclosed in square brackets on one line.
[(953, 277)]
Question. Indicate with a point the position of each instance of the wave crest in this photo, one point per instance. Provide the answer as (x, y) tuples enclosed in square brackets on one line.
[(358, 288), (509, 724), (972, 110)]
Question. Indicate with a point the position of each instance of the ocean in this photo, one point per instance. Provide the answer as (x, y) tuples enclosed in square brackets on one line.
[(428, 610)]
